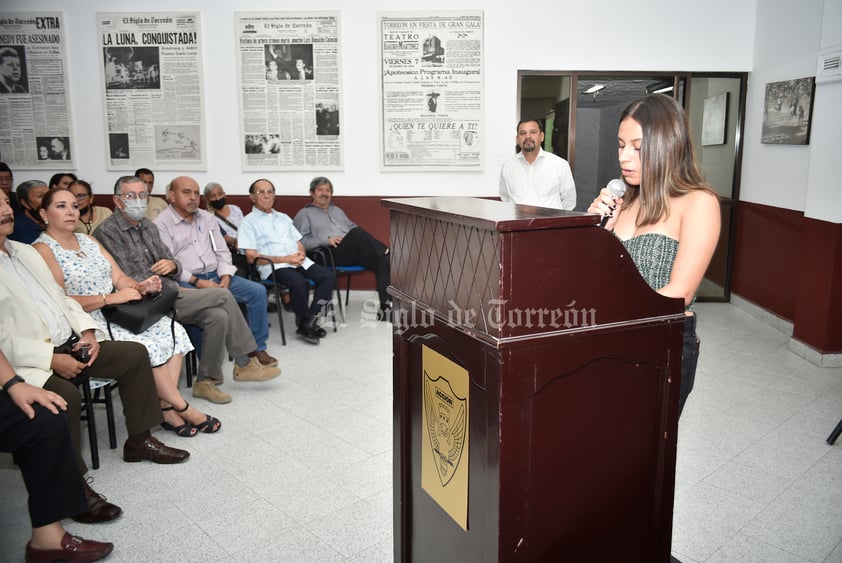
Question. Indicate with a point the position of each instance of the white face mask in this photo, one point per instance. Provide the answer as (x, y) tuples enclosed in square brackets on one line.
[(136, 209)]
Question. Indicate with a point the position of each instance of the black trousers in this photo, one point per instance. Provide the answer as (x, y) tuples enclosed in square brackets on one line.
[(359, 247), (299, 290), (128, 363), (689, 360), (44, 453)]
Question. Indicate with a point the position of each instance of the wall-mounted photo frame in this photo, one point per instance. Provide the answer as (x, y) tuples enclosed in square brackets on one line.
[(715, 119), (788, 112)]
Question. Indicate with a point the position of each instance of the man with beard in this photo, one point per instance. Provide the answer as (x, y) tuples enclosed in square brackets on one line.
[(536, 177)]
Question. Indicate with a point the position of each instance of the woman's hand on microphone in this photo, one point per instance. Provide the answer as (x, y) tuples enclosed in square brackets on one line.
[(606, 204)]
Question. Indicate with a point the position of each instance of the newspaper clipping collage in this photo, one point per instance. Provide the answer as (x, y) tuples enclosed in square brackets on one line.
[(289, 70)]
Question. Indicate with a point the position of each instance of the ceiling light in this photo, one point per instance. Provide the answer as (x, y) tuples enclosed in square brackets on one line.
[(660, 87)]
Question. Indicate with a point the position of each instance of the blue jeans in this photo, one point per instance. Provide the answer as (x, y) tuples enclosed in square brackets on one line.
[(253, 296)]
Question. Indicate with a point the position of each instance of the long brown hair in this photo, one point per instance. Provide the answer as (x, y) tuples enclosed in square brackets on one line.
[(668, 165)]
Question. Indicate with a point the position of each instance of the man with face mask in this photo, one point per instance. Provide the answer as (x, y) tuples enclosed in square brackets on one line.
[(135, 243)]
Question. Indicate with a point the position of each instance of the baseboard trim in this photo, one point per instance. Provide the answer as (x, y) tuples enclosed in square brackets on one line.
[(796, 346)]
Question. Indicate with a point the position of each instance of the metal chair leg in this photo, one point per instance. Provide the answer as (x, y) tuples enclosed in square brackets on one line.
[(109, 412), (835, 434), (90, 419)]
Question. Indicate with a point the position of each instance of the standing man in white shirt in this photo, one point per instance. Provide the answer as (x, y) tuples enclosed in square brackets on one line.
[(534, 176)]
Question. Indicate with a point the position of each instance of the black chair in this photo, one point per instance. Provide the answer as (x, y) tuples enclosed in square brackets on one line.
[(274, 288), (278, 289), (102, 394)]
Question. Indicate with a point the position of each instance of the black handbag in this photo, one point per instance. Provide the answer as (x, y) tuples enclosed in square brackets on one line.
[(139, 315)]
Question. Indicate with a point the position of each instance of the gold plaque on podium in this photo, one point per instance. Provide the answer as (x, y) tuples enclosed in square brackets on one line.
[(444, 430)]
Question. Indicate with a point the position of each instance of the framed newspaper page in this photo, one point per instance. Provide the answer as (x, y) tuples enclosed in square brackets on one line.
[(151, 70), (35, 124), (431, 90), (290, 89)]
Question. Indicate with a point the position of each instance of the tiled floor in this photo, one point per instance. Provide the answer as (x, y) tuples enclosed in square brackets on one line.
[(302, 468)]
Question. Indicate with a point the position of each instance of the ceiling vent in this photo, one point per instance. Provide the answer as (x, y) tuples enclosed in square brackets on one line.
[(830, 65)]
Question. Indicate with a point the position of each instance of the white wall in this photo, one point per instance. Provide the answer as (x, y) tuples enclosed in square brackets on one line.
[(715, 35), (807, 178)]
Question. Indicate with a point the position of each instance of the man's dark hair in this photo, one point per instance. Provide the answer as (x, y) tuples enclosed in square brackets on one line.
[(318, 181), (251, 187), (5, 168), (527, 119), (140, 171), (118, 185), (24, 188)]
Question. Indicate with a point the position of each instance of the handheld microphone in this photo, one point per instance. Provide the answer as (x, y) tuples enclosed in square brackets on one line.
[(617, 188)]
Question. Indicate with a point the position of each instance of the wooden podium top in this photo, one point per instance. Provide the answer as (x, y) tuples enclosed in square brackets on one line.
[(491, 214), (506, 272)]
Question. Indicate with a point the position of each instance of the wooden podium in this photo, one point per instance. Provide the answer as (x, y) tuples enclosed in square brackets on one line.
[(566, 433)]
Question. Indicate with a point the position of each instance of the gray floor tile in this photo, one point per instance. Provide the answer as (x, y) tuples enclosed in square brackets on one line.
[(302, 469)]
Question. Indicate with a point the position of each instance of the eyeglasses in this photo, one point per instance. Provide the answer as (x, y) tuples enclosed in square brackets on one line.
[(129, 196), (264, 192), (81, 196)]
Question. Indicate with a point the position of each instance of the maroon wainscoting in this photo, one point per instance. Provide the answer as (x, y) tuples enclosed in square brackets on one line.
[(766, 248), (365, 211), (791, 265), (818, 313)]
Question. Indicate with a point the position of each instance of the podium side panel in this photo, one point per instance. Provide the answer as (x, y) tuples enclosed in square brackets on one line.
[(588, 446)]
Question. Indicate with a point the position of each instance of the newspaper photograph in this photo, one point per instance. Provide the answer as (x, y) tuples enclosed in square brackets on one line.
[(35, 122), (151, 69), (431, 90), (289, 65)]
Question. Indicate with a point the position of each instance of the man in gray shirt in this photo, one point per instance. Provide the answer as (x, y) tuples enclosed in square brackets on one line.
[(323, 224)]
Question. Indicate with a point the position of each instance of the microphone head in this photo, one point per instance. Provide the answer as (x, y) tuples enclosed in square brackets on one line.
[(617, 187)]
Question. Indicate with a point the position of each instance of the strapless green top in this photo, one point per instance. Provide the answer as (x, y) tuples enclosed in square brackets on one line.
[(653, 254)]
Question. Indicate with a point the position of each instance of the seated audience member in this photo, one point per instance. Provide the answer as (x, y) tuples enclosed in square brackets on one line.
[(89, 274), (33, 428), (228, 216), (321, 223), (90, 215), (154, 204), (62, 180), (38, 315), (135, 243), (28, 225), (194, 239), (6, 181), (270, 235)]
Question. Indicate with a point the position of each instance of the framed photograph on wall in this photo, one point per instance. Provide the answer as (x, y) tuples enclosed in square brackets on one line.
[(788, 111), (714, 119)]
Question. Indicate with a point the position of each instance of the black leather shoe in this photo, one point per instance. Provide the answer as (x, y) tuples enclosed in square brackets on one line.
[(73, 549), (99, 509), (153, 450), (308, 335)]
